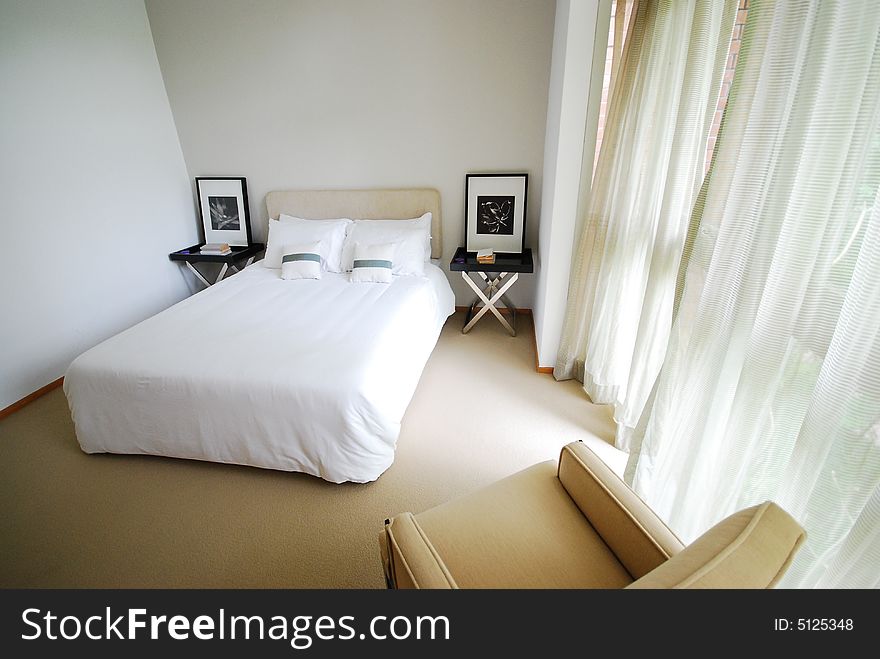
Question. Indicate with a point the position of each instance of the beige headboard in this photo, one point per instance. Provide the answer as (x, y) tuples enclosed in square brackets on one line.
[(361, 205)]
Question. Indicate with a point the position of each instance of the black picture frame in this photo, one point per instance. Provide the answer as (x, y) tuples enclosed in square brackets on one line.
[(495, 210), (224, 210)]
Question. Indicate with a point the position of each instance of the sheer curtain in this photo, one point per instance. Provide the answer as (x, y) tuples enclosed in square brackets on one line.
[(666, 81), (771, 384)]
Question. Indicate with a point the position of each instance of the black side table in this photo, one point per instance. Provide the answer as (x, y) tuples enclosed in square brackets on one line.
[(191, 256), (498, 277)]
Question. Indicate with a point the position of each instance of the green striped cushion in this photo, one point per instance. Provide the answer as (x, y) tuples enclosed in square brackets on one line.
[(301, 261), (302, 256), (372, 263)]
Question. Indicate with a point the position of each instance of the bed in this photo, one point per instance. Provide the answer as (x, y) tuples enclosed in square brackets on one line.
[(307, 376)]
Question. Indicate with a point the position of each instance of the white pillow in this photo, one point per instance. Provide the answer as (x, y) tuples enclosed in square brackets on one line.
[(296, 231), (373, 263), (301, 261), (413, 238)]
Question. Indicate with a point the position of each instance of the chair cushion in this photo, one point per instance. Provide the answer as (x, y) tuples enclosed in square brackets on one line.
[(521, 532), (749, 549)]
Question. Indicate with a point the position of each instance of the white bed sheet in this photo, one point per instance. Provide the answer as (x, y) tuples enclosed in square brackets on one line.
[(299, 375)]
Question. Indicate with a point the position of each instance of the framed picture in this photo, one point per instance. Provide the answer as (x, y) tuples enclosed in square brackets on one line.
[(495, 212), (223, 205)]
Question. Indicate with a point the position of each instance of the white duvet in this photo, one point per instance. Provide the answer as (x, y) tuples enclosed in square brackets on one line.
[(298, 375)]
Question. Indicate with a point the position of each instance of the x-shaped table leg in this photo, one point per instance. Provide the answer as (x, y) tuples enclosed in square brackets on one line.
[(201, 277), (220, 275), (234, 268), (198, 274), (489, 303)]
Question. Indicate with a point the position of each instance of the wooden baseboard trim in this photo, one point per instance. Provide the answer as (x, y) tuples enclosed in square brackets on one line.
[(538, 367), (30, 398)]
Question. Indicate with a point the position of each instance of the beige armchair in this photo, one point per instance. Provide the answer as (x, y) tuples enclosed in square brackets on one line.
[(578, 525)]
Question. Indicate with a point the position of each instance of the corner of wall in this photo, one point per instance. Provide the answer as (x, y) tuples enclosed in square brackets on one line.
[(580, 40), (119, 200)]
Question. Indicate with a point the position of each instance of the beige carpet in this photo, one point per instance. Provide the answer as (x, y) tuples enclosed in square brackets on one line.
[(68, 519)]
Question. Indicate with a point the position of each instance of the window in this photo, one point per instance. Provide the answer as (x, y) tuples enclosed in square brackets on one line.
[(732, 57)]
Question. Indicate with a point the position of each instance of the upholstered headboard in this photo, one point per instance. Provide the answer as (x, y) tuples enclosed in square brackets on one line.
[(361, 205)]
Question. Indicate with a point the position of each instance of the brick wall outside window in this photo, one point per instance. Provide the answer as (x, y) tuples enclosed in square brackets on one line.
[(732, 57)]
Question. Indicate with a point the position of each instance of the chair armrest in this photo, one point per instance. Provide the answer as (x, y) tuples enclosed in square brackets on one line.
[(409, 559), (636, 535), (750, 549)]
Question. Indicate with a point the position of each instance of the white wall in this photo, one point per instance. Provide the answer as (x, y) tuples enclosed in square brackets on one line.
[(581, 37), (95, 189), (355, 93)]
